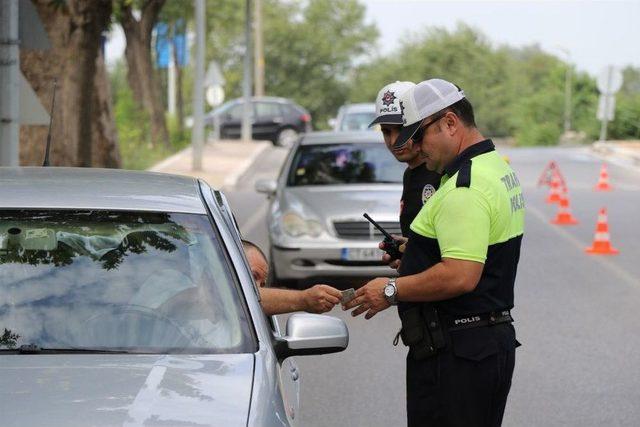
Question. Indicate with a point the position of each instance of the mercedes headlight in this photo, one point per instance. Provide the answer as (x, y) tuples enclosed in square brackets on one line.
[(296, 226)]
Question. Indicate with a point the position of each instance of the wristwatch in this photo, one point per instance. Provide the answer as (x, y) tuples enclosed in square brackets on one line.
[(390, 291)]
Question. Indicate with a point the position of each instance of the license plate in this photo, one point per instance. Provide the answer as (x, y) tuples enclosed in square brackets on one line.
[(362, 254)]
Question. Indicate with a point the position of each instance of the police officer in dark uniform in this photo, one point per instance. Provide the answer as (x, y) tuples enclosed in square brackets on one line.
[(455, 289), (418, 183)]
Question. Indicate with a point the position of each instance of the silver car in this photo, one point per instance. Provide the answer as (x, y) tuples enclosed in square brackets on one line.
[(126, 300), (354, 117), (316, 225)]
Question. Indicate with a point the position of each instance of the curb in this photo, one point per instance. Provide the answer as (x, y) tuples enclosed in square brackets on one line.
[(163, 164), (608, 150), (244, 167)]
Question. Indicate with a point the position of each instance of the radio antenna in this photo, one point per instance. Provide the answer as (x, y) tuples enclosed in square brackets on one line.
[(53, 102)]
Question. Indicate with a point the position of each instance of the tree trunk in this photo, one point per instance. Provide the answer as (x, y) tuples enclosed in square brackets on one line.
[(105, 135), (140, 74), (74, 30)]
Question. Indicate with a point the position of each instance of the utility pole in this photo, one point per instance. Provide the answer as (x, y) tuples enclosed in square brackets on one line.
[(246, 84), (197, 136), (258, 50), (9, 83), (567, 98), (171, 80), (567, 89)]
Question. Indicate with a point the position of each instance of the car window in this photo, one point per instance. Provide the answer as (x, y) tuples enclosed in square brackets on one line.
[(135, 281), (332, 164), (357, 121), (293, 109), (236, 112), (267, 109)]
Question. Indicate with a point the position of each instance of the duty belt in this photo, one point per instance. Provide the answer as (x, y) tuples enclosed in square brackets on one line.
[(474, 321)]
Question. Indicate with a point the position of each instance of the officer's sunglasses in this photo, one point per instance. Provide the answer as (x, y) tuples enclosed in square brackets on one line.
[(417, 137)]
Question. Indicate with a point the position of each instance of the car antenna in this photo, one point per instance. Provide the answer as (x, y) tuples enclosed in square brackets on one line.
[(53, 101)]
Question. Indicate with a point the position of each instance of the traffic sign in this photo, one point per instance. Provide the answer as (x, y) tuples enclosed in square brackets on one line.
[(609, 80), (214, 75), (608, 103), (214, 95)]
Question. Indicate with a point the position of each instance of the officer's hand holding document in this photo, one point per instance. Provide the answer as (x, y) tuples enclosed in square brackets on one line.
[(369, 298), (347, 295)]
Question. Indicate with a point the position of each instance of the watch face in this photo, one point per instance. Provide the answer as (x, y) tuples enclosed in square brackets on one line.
[(389, 291)]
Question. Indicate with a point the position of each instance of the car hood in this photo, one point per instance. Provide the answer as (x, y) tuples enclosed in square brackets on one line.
[(125, 390), (328, 203)]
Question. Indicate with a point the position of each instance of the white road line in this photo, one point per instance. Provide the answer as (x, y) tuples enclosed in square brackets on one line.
[(621, 273)]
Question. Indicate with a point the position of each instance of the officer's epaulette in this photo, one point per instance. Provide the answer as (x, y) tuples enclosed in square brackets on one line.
[(464, 175)]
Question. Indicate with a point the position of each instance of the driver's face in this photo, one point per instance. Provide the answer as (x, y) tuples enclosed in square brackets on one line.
[(259, 267)]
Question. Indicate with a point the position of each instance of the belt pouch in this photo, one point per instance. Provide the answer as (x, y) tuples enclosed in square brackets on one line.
[(430, 315), (415, 335)]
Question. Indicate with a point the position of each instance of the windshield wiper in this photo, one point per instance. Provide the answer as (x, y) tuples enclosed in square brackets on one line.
[(34, 349)]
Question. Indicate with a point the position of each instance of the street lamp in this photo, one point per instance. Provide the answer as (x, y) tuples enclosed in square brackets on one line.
[(567, 89)]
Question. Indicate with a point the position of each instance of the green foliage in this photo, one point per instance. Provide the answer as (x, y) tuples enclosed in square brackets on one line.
[(134, 131), (626, 123), (320, 54), (309, 52), (309, 49), (515, 92)]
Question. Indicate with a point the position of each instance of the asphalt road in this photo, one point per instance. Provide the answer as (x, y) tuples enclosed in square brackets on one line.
[(576, 314)]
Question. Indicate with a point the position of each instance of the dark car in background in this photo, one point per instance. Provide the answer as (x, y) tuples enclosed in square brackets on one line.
[(278, 120)]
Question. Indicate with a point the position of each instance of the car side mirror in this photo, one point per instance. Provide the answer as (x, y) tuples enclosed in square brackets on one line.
[(266, 186), (312, 334)]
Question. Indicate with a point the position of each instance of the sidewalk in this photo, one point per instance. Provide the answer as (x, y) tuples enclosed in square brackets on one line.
[(224, 162), (627, 151)]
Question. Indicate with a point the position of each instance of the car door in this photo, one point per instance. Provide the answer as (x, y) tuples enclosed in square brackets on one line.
[(269, 120), (232, 121), (289, 378)]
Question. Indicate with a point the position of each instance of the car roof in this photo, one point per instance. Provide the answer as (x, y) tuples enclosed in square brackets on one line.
[(363, 136), (104, 189), (264, 98), (359, 108)]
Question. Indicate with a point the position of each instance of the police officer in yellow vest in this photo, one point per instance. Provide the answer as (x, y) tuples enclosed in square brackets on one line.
[(455, 289)]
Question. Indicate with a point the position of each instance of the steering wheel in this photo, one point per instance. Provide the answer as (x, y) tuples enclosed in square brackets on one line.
[(116, 324)]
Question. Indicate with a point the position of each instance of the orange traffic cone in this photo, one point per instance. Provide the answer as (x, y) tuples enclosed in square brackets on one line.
[(603, 182), (554, 195), (601, 241), (564, 216)]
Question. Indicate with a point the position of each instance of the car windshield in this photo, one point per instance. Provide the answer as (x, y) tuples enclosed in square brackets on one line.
[(130, 281), (357, 121), (333, 164)]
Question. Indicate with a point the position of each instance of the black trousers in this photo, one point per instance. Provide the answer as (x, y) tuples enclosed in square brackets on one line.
[(465, 384)]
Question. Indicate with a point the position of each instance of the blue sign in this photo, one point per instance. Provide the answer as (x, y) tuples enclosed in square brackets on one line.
[(162, 45), (179, 42)]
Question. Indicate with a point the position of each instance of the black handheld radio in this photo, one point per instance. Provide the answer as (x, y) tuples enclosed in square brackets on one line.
[(389, 244)]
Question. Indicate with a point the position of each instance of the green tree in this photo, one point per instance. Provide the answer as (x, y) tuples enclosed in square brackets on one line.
[(309, 49), (626, 123), (515, 91)]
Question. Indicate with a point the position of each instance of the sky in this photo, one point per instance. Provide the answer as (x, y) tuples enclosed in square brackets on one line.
[(591, 34)]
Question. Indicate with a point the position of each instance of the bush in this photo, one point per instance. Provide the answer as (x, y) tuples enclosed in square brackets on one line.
[(134, 131), (538, 134)]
